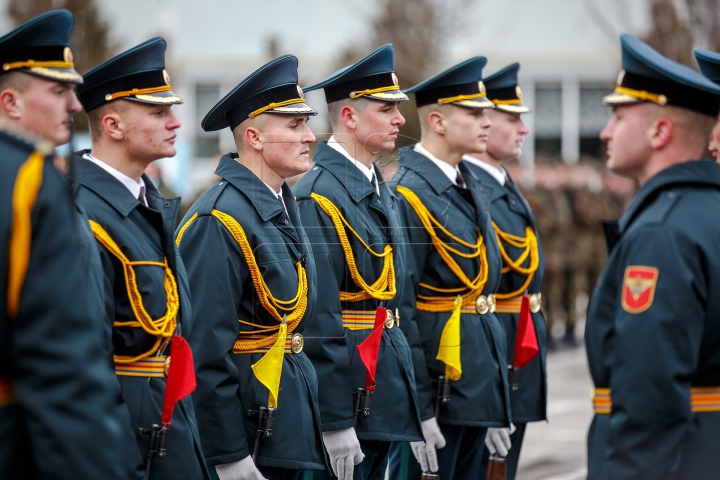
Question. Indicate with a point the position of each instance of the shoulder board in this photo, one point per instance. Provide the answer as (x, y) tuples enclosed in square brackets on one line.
[(206, 203), (304, 186)]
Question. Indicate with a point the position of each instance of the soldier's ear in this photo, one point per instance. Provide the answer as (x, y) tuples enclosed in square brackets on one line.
[(348, 116), (660, 132), (11, 103), (437, 122), (253, 137), (113, 125)]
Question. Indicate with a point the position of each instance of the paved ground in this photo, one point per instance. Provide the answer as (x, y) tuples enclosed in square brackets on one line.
[(556, 450)]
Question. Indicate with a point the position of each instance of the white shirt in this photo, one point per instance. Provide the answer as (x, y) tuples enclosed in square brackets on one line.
[(136, 188), (368, 172), (497, 173), (278, 194), (450, 171)]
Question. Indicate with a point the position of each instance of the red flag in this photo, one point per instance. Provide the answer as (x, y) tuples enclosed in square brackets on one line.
[(526, 344), (180, 377), (370, 347)]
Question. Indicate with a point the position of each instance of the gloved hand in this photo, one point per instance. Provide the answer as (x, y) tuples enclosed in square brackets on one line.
[(497, 440), (343, 448), (244, 469), (425, 451)]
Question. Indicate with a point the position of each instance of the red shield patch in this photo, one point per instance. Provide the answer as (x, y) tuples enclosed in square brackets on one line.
[(638, 289)]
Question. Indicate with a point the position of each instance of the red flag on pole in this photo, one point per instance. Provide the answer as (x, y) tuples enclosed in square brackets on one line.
[(180, 377), (370, 347), (526, 344)]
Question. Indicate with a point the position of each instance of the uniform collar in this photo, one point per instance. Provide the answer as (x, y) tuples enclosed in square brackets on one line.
[(260, 195), (449, 171), (106, 186), (422, 166), (133, 186), (699, 172), (354, 180), (497, 173)]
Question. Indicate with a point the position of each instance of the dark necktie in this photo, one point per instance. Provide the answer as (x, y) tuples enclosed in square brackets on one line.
[(460, 181), (141, 195), (374, 182)]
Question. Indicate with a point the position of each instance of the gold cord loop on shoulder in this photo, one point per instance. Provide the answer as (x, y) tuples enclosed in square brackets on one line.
[(478, 250), (27, 185), (384, 288), (163, 327)]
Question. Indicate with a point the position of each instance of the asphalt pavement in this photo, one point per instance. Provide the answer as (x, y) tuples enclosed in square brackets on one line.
[(556, 450)]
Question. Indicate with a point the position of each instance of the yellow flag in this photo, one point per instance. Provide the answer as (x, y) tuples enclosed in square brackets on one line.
[(449, 349), (268, 369)]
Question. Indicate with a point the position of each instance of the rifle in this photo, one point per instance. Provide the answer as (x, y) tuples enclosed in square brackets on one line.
[(265, 419)]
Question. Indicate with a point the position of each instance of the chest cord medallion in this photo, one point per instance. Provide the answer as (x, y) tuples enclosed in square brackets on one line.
[(161, 328), (478, 250), (384, 288), (294, 309), (529, 246)]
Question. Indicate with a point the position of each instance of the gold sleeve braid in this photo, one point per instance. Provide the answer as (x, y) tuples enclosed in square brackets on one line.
[(27, 185), (384, 288), (478, 250), (529, 245), (162, 328), (293, 308)]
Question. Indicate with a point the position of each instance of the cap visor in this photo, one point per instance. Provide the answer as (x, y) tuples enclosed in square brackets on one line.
[(620, 99), (517, 108), (295, 108), (391, 96), (159, 98), (478, 103), (59, 74)]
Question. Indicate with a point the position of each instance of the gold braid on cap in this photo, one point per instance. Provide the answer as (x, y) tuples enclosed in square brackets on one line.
[(36, 64), (371, 91), (642, 95), (275, 105), (136, 91), (460, 98)]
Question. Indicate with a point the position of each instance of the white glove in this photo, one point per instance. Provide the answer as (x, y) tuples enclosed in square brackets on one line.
[(425, 451), (343, 448), (244, 469), (497, 440)]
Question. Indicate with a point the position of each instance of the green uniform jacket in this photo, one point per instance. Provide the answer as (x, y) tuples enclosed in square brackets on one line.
[(394, 407), (481, 396), (64, 421), (143, 234), (512, 214), (223, 293), (650, 359)]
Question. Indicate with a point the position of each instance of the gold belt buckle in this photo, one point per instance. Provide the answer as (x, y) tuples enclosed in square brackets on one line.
[(485, 304), (297, 342), (167, 365), (535, 302), (389, 320)]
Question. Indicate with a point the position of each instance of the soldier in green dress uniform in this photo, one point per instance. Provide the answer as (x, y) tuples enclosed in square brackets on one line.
[(523, 266), (250, 265), (453, 270), (128, 100), (60, 415), (652, 333), (351, 218)]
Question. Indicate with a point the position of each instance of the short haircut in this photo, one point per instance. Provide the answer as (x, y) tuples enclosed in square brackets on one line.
[(334, 108), (96, 115), (238, 132), (691, 128), (17, 80), (425, 110)]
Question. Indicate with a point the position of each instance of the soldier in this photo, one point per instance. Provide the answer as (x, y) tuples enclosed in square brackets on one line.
[(250, 266), (351, 218), (453, 268), (59, 411), (128, 101), (652, 333), (523, 266), (709, 63)]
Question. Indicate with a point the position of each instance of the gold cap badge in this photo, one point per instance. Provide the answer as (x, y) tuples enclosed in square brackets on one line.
[(166, 77), (300, 92), (481, 87), (395, 79), (67, 55)]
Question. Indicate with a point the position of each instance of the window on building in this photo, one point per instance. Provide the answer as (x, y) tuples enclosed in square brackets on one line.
[(593, 117), (207, 144), (548, 120)]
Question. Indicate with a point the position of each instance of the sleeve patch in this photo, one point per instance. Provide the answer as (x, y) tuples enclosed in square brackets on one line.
[(638, 291)]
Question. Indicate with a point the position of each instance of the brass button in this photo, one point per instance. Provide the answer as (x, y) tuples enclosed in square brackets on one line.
[(482, 305), (297, 343), (535, 302), (491, 303), (397, 317), (389, 320), (167, 365)]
